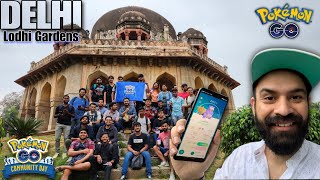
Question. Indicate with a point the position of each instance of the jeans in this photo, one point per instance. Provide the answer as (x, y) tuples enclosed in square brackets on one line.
[(176, 117), (59, 129), (128, 158)]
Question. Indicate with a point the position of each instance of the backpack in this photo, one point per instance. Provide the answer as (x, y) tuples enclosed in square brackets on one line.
[(137, 162), (146, 119)]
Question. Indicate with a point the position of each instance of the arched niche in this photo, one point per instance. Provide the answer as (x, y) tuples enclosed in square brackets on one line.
[(132, 76), (166, 79), (198, 83)]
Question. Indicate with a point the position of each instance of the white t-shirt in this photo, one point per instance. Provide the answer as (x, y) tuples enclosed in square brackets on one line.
[(144, 126), (249, 162)]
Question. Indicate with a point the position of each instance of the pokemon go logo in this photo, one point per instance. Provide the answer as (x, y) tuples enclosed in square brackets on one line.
[(28, 158), (291, 29)]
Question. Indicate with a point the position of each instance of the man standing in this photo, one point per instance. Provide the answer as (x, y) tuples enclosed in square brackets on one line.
[(114, 90), (184, 94), (176, 104), (97, 92), (80, 150), (146, 91), (137, 144), (80, 105), (127, 114), (108, 91), (64, 113), (165, 96), (188, 102), (114, 113), (282, 80)]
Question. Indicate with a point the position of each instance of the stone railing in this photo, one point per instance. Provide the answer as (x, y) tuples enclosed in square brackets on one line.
[(122, 43), (50, 57)]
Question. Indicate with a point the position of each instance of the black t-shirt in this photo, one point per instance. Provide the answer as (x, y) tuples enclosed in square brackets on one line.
[(97, 92), (64, 117), (108, 90), (157, 123), (138, 142), (107, 152)]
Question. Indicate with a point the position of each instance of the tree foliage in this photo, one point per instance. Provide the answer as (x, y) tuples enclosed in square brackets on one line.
[(239, 128), (12, 99), (21, 128)]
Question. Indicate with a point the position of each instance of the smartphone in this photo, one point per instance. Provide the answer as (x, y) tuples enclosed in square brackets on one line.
[(201, 127)]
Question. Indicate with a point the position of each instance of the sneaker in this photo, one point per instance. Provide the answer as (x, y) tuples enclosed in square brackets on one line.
[(64, 155), (55, 155), (164, 164), (69, 159), (149, 177), (123, 177), (172, 176)]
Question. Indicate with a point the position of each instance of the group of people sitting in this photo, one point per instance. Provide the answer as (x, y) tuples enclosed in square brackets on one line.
[(91, 125)]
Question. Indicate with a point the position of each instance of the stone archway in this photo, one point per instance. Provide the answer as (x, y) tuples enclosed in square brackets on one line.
[(31, 104), (43, 107), (93, 77), (166, 79), (198, 83), (59, 89), (132, 76), (212, 88)]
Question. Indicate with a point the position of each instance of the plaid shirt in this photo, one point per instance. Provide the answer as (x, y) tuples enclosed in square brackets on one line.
[(87, 144)]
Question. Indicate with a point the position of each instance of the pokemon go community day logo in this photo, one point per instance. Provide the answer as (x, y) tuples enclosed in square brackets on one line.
[(290, 29), (40, 21), (28, 158)]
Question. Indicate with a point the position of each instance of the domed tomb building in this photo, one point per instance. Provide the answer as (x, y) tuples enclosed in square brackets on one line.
[(126, 41)]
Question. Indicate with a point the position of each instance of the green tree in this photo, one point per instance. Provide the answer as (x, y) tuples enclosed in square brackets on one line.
[(21, 128), (239, 128)]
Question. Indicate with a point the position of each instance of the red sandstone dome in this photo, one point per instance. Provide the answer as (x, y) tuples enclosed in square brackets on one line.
[(111, 19)]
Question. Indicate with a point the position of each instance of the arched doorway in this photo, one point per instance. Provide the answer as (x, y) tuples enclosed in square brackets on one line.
[(60, 87), (93, 78), (133, 77), (212, 88), (166, 79), (31, 107), (44, 106), (198, 83)]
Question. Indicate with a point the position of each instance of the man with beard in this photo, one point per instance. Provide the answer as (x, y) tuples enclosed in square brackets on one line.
[(108, 91), (80, 150), (137, 144), (162, 147), (80, 105), (101, 108), (64, 113), (106, 156), (114, 113), (97, 92), (109, 129), (127, 114), (282, 80)]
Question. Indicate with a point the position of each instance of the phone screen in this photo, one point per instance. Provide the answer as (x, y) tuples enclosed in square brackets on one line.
[(202, 124)]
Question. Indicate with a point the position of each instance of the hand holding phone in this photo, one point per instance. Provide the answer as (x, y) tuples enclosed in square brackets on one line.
[(182, 168), (203, 122)]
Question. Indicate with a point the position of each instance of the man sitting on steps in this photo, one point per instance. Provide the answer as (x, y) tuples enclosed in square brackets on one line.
[(137, 144)]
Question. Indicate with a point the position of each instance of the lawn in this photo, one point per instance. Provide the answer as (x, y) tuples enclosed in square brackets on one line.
[(59, 161)]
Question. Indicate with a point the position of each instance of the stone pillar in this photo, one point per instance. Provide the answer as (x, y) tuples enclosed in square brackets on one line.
[(139, 33), (201, 49), (127, 33)]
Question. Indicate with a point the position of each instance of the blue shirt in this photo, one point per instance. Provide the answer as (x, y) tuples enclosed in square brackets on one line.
[(165, 97), (132, 111), (177, 104), (76, 102)]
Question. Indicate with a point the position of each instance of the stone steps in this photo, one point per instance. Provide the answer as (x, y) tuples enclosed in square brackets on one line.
[(155, 161), (157, 173)]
